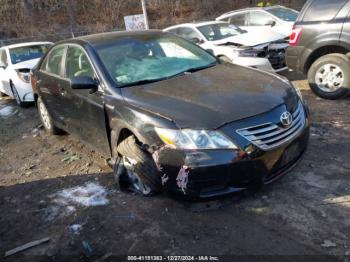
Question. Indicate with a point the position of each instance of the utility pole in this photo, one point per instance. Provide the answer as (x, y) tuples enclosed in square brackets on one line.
[(145, 13)]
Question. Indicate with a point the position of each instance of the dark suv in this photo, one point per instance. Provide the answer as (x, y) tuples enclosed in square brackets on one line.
[(320, 47)]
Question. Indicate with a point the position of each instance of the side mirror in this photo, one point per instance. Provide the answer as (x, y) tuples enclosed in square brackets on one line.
[(83, 82), (196, 40), (2, 65), (271, 23)]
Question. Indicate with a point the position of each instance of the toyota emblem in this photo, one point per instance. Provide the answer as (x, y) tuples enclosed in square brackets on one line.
[(286, 119)]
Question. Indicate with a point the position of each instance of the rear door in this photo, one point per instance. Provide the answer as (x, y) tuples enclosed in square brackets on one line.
[(85, 112), (50, 82)]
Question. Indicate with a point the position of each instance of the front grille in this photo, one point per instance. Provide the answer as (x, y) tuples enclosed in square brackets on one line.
[(269, 135)]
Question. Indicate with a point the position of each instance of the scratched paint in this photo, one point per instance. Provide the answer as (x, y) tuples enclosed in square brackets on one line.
[(182, 178)]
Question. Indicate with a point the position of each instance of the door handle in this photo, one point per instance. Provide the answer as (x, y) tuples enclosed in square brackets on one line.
[(62, 91)]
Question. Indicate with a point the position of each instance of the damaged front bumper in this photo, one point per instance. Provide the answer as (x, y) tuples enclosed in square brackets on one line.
[(201, 174)]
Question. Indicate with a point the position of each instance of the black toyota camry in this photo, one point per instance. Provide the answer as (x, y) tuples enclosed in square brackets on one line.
[(170, 115)]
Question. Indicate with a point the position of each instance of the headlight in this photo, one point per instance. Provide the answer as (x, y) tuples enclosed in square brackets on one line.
[(246, 52), (23, 76), (195, 139)]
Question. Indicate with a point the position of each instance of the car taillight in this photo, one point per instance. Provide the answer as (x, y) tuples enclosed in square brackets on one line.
[(295, 36), (32, 80)]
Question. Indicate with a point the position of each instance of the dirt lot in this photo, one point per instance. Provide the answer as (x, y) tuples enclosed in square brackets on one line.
[(305, 213)]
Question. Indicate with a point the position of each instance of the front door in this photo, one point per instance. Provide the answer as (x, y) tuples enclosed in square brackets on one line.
[(85, 108)]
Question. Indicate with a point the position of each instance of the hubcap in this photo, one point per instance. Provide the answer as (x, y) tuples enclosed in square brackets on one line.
[(329, 78), (44, 115), (134, 179)]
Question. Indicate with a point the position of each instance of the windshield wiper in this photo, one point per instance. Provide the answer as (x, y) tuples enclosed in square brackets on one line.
[(194, 69), (147, 81), (143, 82)]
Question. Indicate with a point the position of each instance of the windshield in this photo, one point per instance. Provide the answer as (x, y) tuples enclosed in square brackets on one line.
[(151, 58), (285, 14), (219, 31), (24, 53)]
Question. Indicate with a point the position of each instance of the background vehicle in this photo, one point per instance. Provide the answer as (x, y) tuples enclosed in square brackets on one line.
[(260, 19), (320, 47), (15, 64), (171, 114), (264, 50)]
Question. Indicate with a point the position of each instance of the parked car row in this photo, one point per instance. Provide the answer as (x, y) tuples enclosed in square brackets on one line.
[(175, 110), (263, 50)]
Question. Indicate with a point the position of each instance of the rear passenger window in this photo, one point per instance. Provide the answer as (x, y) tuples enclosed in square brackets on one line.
[(53, 61), (323, 10), (238, 20)]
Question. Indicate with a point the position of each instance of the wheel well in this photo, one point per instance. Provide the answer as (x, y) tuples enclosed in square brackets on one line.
[(325, 50), (123, 134)]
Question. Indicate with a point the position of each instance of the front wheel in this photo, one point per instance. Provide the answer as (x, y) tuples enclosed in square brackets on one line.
[(17, 97), (46, 119), (329, 76), (135, 169)]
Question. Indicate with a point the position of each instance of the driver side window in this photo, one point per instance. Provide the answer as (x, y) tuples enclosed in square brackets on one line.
[(78, 64)]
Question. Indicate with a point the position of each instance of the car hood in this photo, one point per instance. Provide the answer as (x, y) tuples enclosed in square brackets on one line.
[(212, 97), (29, 64), (251, 39)]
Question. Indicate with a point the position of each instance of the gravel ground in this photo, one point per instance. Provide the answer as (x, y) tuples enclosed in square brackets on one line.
[(59, 188)]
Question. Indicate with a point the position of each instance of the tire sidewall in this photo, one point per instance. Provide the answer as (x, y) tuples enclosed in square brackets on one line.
[(16, 95), (338, 59), (50, 130)]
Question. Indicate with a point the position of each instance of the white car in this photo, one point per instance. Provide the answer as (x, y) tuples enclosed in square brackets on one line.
[(276, 18), (264, 51), (16, 61)]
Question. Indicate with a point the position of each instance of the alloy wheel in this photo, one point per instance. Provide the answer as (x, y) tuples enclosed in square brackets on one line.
[(329, 77), (45, 116), (134, 179)]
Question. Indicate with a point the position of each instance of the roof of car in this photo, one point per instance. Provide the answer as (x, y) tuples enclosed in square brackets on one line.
[(101, 38), (195, 24), (252, 9), (26, 44)]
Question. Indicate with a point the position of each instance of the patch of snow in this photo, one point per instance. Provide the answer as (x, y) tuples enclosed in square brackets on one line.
[(92, 194)]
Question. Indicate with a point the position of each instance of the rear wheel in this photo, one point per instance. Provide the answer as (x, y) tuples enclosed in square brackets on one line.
[(46, 119), (329, 76), (135, 169)]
